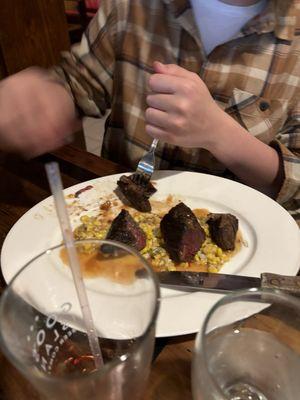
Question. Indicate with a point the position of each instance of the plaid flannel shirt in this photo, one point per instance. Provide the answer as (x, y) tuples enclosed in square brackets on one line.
[(255, 77)]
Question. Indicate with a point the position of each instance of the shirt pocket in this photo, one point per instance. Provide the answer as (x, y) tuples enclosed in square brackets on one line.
[(263, 117)]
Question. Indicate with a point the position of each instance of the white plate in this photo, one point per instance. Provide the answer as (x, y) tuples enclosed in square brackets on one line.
[(272, 236)]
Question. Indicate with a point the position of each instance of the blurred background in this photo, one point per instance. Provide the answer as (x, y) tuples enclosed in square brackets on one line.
[(35, 32)]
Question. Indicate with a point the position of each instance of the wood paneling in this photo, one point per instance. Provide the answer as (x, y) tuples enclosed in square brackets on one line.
[(32, 33)]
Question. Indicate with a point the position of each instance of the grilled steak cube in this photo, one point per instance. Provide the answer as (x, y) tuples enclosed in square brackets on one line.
[(182, 233), (137, 195), (223, 229), (124, 229)]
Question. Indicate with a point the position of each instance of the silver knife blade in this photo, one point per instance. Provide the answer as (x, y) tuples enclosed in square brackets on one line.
[(215, 282), (206, 281)]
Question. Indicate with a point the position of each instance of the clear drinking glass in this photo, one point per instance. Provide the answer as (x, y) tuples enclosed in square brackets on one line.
[(249, 348), (42, 331)]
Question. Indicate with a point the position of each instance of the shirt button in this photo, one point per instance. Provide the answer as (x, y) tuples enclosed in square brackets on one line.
[(264, 105)]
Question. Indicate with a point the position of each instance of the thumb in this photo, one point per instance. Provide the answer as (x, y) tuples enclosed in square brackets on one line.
[(171, 69)]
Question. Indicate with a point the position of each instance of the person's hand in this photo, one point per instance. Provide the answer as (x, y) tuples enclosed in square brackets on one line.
[(37, 114), (181, 110)]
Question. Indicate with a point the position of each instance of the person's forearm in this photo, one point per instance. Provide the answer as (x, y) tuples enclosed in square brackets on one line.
[(252, 161)]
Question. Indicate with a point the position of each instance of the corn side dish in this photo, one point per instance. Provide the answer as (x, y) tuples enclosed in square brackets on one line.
[(209, 258)]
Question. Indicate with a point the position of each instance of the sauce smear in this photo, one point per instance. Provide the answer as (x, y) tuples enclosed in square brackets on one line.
[(117, 269)]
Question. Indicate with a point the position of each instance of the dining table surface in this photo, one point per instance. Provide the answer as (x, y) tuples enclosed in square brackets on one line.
[(23, 185)]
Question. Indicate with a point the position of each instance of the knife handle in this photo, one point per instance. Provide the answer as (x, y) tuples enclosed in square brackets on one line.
[(289, 284)]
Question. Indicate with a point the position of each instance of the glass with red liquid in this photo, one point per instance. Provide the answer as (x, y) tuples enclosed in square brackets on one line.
[(42, 331)]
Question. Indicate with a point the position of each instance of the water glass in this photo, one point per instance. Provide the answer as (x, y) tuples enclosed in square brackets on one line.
[(43, 333), (249, 348)]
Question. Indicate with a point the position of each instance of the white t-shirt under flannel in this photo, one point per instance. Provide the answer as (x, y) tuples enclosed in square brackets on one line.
[(219, 22)]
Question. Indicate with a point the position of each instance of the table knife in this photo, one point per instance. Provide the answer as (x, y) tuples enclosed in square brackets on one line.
[(215, 282)]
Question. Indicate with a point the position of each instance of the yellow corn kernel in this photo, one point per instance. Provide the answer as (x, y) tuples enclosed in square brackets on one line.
[(219, 251)]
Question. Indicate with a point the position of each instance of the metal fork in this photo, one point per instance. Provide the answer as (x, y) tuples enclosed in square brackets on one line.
[(146, 165)]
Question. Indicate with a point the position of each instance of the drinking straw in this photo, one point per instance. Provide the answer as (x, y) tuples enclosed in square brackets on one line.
[(56, 187)]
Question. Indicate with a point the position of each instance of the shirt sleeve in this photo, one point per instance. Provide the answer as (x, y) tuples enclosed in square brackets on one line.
[(287, 144), (87, 70)]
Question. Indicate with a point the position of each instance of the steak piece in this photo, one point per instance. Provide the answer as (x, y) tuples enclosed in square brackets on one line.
[(137, 194), (124, 229), (182, 233), (223, 229)]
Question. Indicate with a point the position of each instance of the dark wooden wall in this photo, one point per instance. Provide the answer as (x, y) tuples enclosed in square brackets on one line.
[(32, 32)]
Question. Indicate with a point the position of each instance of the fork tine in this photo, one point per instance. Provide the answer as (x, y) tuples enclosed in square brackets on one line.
[(139, 178), (145, 166), (144, 179), (135, 177)]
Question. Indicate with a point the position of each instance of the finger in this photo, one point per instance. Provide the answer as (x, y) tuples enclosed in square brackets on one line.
[(51, 140), (13, 133), (157, 133), (168, 84), (39, 133), (157, 118), (163, 102), (173, 69)]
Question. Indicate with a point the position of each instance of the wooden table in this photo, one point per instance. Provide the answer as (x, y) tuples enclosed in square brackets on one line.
[(24, 184)]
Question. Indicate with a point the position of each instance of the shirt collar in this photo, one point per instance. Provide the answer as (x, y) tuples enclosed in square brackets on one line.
[(279, 16), (183, 12), (177, 6)]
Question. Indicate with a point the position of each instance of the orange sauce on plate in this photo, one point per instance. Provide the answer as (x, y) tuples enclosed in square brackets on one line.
[(118, 269)]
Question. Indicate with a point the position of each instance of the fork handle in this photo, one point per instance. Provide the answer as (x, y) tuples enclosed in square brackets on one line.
[(153, 145)]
